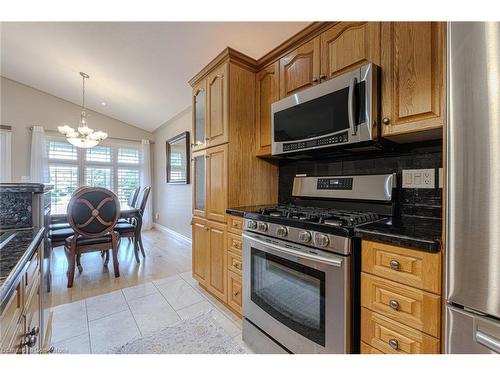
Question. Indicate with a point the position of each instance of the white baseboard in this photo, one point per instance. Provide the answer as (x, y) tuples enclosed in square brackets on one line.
[(177, 235)]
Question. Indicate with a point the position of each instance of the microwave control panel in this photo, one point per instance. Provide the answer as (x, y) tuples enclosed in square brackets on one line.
[(334, 183), (328, 140)]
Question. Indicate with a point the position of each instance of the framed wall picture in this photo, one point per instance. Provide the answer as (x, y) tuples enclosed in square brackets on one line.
[(178, 159)]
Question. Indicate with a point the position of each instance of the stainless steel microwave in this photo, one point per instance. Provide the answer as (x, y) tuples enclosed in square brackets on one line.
[(341, 111)]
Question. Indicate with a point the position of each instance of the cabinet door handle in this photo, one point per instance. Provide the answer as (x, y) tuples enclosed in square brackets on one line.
[(393, 343), (386, 121), (207, 229), (322, 76), (394, 264), (394, 304), (315, 79)]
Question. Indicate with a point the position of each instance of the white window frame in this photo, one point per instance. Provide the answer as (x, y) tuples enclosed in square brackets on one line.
[(81, 163)]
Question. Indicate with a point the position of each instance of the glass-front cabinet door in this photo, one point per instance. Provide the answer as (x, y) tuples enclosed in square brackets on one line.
[(199, 183), (199, 116)]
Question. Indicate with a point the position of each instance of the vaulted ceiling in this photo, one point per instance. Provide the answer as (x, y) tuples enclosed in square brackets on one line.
[(139, 69)]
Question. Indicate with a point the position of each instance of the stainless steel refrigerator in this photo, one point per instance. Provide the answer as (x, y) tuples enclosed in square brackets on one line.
[(473, 189)]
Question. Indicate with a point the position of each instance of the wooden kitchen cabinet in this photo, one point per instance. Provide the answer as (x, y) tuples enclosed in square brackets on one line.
[(300, 68), (413, 63), (199, 99), (216, 177), (347, 45), (217, 106), (235, 291), (199, 179), (267, 91), (201, 250), (218, 265)]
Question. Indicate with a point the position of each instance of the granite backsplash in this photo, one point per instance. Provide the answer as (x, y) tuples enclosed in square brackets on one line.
[(410, 202)]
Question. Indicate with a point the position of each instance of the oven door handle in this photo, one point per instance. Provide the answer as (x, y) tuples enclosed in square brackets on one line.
[(350, 106), (314, 257)]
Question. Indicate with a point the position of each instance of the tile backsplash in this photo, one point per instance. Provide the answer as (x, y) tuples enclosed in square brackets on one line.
[(411, 202)]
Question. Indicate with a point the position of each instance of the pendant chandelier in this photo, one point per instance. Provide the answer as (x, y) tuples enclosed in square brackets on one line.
[(83, 137)]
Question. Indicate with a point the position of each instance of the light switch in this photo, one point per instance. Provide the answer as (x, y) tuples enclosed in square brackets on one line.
[(419, 178)]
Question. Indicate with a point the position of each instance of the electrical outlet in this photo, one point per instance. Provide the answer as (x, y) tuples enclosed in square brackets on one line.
[(419, 178)]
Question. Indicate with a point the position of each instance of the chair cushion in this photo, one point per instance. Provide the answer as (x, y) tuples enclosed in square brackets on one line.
[(124, 227), (83, 241), (59, 226), (60, 234)]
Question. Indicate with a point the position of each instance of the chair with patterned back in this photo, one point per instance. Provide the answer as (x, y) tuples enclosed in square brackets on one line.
[(92, 214), (133, 196), (142, 199)]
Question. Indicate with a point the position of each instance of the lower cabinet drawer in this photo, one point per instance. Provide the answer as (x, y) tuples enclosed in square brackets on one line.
[(235, 224), (367, 349), (235, 291), (234, 243), (412, 307), (234, 262), (388, 336)]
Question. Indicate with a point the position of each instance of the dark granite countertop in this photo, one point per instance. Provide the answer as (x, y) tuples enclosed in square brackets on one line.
[(24, 187), (240, 211), (16, 248), (419, 233)]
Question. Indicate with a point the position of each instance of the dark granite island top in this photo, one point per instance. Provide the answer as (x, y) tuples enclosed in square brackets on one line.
[(16, 248), (24, 187), (408, 231)]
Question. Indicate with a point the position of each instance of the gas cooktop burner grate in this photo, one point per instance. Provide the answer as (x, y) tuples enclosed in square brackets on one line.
[(326, 216)]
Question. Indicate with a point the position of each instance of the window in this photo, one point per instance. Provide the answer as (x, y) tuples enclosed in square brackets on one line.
[(111, 166)]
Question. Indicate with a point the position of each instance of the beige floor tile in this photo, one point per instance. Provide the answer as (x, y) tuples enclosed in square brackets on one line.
[(75, 345), (139, 291), (195, 310), (152, 313), (187, 276), (105, 304), (113, 331), (69, 320), (167, 280), (179, 294), (223, 321)]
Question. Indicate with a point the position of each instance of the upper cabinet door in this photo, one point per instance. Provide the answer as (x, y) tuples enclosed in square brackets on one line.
[(413, 77), (199, 180), (266, 92), (199, 115), (217, 106), (216, 159), (348, 44), (300, 68)]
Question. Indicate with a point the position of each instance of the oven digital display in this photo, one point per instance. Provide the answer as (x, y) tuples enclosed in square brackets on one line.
[(334, 184)]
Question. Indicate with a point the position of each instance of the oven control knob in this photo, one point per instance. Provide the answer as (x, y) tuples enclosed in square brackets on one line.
[(321, 240), (252, 224), (262, 227), (304, 236), (281, 231)]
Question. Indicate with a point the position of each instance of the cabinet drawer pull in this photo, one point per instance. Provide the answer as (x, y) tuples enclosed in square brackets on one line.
[(394, 264), (394, 304), (236, 264), (315, 79), (235, 293), (393, 343), (236, 244), (236, 224)]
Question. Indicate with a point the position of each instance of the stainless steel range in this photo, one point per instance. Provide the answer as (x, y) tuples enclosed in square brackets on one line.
[(301, 265)]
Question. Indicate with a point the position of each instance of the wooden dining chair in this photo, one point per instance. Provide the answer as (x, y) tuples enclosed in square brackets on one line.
[(92, 214), (129, 229)]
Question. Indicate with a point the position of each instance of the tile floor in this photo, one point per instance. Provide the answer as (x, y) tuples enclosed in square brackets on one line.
[(100, 323)]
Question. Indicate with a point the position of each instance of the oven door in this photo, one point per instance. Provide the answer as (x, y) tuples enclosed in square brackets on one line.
[(336, 112), (297, 295)]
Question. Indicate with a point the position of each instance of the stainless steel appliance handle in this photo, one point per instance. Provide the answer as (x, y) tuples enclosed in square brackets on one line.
[(350, 106), (281, 249), (488, 341)]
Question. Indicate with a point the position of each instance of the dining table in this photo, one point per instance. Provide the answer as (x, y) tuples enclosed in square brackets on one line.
[(126, 212)]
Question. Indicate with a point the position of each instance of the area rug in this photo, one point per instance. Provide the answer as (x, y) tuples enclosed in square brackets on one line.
[(200, 335)]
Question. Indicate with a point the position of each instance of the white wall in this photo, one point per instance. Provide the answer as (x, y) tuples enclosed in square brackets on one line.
[(170, 201), (23, 106)]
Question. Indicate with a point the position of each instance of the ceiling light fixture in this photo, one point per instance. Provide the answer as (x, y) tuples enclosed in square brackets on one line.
[(83, 137)]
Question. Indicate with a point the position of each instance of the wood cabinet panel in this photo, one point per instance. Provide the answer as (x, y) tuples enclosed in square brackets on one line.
[(367, 349), (267, 91), (10, 318), (217, 265), (392, 337), (410, 267), (234, 243), (217, 106), (217, 179), (348, 44), (235, 291), (201, 250), (414, 77), (199, 180), (234, 262), (300, 68), (413, 307), (32, 312), (235, 224)]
